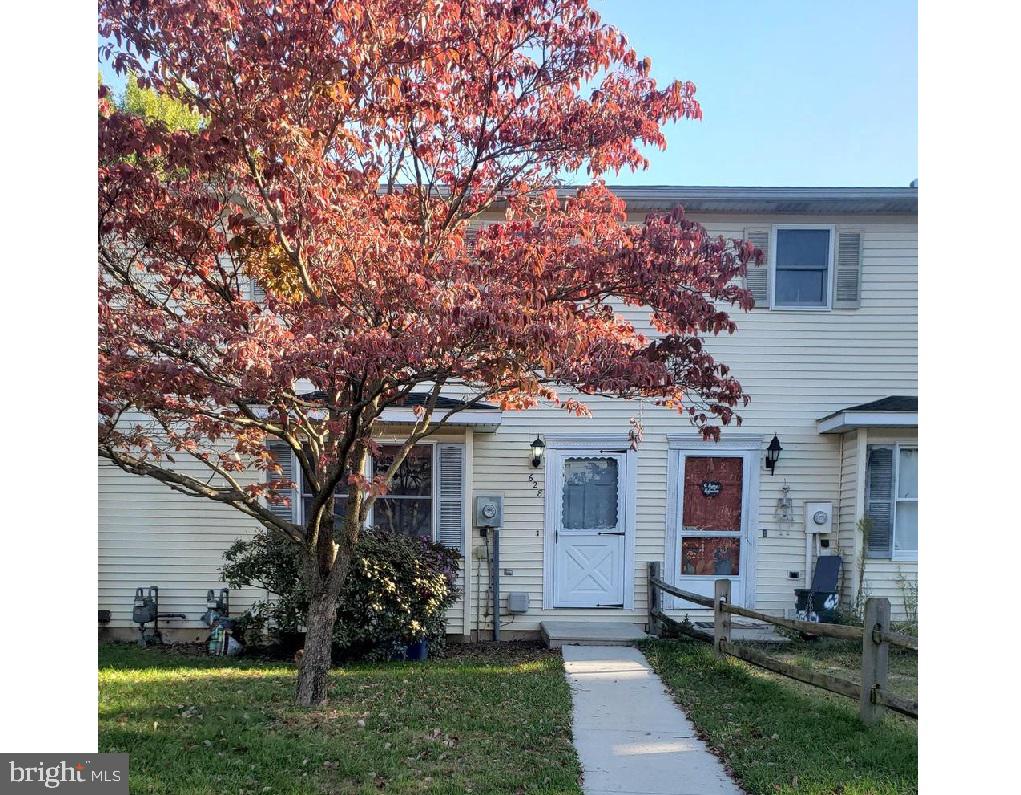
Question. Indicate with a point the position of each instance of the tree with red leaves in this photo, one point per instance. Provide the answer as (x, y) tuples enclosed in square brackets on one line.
[(345, 150)]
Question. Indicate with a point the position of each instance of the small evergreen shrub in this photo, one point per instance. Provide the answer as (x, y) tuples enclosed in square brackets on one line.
[(398, 590)]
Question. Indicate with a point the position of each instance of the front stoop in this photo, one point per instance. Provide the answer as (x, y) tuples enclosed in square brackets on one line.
[(590, 633)]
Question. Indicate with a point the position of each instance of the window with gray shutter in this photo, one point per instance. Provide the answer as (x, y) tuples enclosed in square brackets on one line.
[(450, 492), (801, 267), (284, 456), (847, 282), (879, 480), (757, 278)]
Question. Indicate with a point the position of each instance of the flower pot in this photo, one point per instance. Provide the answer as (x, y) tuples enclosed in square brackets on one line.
[(418, 651)]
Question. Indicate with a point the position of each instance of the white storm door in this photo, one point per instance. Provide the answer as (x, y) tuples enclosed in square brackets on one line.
[(590, 528), (713, 516)]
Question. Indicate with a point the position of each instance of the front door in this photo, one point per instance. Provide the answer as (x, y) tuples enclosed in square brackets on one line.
[(590, 528), (713, 516)]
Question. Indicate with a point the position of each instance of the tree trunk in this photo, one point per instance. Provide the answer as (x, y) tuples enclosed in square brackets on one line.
[(314, 669)]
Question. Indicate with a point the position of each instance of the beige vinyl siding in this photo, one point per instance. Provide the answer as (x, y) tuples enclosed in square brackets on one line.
[(847, 514), (798, 366), (152, 535)]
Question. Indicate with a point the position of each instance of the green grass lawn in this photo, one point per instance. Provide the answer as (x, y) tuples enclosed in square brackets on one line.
[(780, 736), (843, 658), (485, 720)]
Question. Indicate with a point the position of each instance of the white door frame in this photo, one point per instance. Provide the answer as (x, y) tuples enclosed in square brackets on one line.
[(744, 444), (564, 443)]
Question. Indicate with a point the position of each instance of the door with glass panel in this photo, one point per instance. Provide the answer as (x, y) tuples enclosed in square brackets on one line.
[(713, 510), (591, 529)]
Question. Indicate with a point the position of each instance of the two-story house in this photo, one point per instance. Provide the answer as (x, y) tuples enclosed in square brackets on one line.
[(829, 357)]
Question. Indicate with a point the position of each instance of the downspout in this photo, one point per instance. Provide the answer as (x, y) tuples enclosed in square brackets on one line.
[(495, 582), (838, 513), (469, 526), (808, 558)]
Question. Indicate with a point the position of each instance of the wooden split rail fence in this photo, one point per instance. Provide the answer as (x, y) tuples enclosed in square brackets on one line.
[(873, 694)]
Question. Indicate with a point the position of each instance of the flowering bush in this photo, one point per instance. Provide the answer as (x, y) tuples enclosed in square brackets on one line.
[(397, 592)]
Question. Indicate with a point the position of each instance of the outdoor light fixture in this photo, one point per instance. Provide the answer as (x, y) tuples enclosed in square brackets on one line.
[(773, 454), (538, 446)]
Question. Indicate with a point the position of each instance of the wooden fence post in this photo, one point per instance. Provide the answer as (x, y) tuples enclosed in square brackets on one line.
[(654, 599), (721, 620), (875, 658)]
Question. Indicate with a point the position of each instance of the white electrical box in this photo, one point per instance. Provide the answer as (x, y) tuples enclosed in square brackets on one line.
[(488, 510), (819, 517)]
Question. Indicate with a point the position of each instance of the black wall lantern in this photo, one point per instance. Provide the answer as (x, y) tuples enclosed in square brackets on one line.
[(538, 447), (773, 454)]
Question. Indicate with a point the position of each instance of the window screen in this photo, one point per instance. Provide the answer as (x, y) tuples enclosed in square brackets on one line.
[(590, 494)]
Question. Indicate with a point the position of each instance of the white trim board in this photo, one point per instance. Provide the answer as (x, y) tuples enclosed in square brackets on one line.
[(578, 441), (850, 420), (729, 440), (483, 420)]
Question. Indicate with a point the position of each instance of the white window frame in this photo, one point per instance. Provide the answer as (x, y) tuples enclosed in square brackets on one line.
[(367, 471), (829, 269), (904, 556)]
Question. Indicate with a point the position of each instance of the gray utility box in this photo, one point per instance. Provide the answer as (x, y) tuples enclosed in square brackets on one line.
[(488, 510), (517, 602)]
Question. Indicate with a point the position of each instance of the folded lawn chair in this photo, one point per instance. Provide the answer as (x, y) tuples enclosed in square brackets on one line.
[(819, 603)]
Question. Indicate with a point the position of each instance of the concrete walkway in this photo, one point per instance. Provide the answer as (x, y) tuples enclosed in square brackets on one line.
[(631, 737)]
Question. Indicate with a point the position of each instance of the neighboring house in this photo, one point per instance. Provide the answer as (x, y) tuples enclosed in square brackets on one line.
[(829, 357)]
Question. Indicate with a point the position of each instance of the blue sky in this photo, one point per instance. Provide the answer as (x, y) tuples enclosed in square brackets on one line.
[(794, 92)]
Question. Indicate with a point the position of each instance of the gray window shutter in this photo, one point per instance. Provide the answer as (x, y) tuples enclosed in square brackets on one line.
[(879, 500), (258, 292), (757, 278), (450, 532), (847, 281), (284, 456)]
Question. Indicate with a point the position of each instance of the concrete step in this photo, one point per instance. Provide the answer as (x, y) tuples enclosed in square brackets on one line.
[(590, 633), (749, 631)]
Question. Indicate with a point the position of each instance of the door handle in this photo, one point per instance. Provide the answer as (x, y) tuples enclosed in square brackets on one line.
[(611, 533)]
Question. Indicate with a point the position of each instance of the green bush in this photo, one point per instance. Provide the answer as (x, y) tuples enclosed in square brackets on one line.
[(397, 592)]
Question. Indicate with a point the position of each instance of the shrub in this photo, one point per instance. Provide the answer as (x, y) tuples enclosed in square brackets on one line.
[(397, 591)]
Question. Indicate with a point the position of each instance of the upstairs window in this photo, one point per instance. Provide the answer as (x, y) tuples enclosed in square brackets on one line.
[(801, 272)]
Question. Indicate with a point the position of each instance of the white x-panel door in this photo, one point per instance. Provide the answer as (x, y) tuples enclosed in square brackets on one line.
[(590, 529)]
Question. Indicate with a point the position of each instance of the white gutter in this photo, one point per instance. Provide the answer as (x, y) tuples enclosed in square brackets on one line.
[(849, 420), (483, 420)]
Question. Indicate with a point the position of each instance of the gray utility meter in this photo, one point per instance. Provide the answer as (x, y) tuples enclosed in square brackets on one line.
[(488, 511)]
